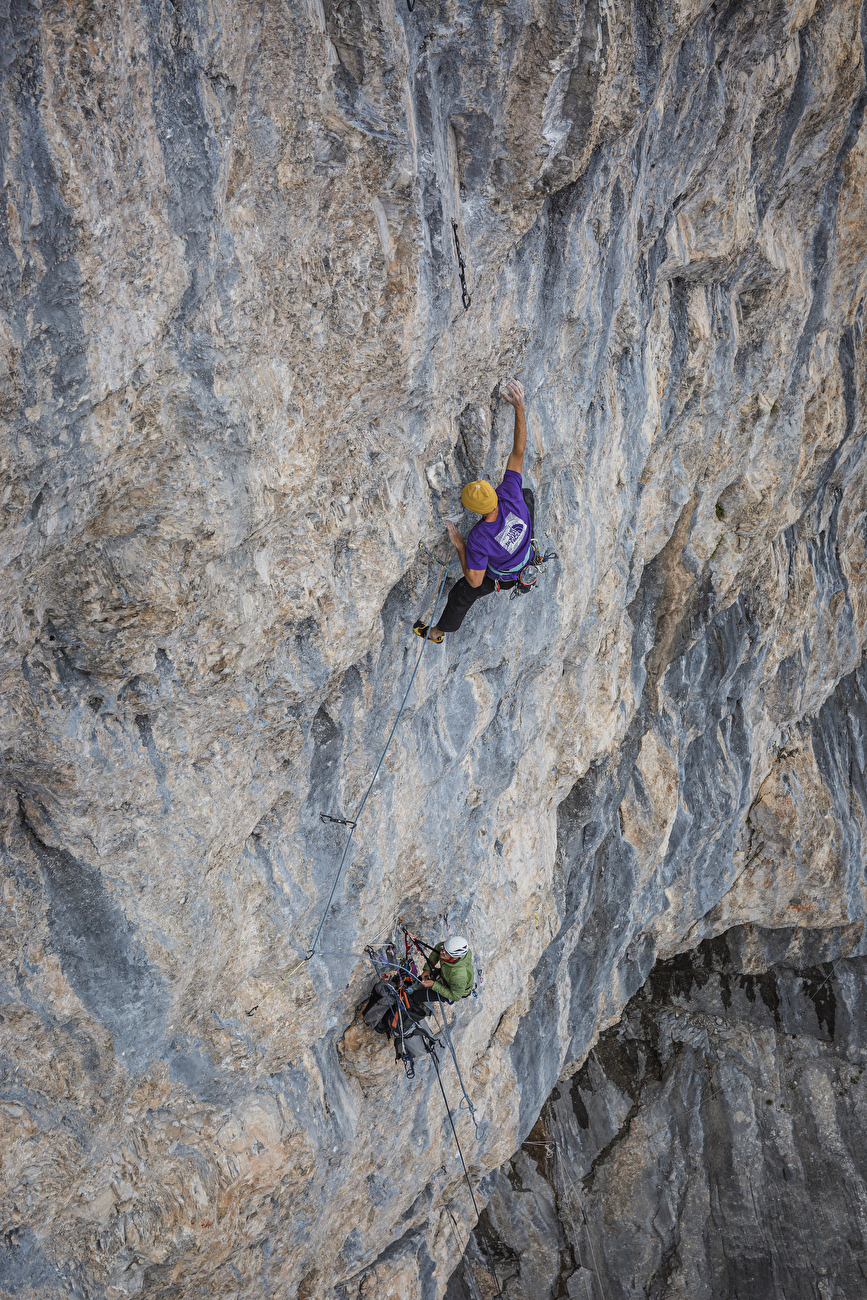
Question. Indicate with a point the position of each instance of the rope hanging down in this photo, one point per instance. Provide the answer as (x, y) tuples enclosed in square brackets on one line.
[(490, 1261), (565, 1170), (566, 1174), (352, 823), (448, 1037)]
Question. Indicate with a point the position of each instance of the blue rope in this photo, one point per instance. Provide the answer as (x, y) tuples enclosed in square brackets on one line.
[(448, 1033), (312, 951), (353, 822), (481, 1237)]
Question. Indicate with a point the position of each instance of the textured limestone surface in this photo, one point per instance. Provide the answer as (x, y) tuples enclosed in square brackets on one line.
[(713, 1144), (238, 387)]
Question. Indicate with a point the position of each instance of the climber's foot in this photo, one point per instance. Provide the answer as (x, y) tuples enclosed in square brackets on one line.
[(420, 629)]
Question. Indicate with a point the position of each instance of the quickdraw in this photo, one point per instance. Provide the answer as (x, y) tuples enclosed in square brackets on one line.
[(462, 270), (541, 561), (338, 821), (424, 550)]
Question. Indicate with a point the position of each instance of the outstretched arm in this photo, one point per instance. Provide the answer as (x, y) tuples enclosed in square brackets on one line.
[(514, 395)]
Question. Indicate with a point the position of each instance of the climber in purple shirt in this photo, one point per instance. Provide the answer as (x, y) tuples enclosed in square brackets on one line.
[(499, 546)]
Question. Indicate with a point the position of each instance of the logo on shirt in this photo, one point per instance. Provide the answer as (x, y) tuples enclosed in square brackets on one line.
[(512, 532)]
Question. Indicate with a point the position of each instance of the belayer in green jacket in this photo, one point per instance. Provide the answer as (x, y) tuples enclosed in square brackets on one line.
[(448, 971)]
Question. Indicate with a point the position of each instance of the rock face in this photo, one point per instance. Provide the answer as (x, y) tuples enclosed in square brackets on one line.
[(712, 1145), (239, 387)]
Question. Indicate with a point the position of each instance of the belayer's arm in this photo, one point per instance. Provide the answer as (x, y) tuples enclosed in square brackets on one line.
[(514, 395)]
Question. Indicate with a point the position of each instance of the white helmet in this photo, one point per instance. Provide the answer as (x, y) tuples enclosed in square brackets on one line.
[(457, 946)]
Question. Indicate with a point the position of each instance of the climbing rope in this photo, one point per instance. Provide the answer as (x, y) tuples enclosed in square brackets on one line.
[(448, 1210), (558, 1155), (565, 1168), (448, 1038), (352, 823), (394, 999), (430, 555), (490, 1261)]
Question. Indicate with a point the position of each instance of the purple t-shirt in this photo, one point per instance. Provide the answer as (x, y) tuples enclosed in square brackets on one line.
[(504, 543)]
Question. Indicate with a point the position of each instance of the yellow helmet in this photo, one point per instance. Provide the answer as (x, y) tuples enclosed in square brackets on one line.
[(479, 497)]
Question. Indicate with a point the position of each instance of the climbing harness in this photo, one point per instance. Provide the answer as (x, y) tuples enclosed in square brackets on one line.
[(526, 572), (462, 269), (408, 1034), (513, 569), (352, 823)]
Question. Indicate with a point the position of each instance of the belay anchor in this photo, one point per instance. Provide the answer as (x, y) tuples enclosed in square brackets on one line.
[(405, 1027)]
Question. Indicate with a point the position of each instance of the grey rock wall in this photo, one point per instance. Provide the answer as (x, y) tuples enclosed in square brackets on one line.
[(239, 387), (712, 1144)]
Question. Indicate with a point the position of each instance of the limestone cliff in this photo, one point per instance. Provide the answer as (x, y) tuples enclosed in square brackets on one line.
[(712, 1145), (239, 387)]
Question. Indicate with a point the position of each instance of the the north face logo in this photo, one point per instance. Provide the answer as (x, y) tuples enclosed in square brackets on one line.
[(511, 534)]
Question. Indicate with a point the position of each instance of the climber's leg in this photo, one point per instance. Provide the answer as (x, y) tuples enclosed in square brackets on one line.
[(422, 1001), (461, 597)]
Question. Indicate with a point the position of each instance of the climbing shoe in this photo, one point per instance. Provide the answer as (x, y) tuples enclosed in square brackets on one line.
[(420, 629)]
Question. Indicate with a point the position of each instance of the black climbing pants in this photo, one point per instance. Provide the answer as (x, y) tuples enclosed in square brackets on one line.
[(462, 595), (422, 999)]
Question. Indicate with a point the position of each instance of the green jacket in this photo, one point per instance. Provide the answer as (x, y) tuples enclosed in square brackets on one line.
[(456, 977)]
